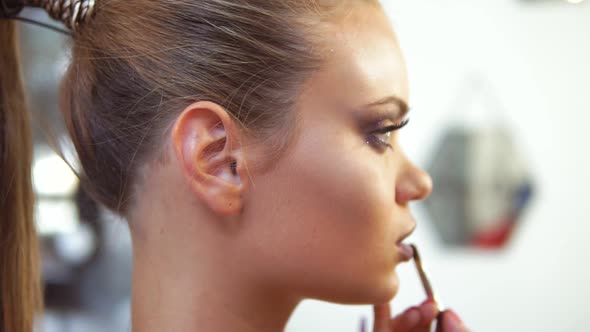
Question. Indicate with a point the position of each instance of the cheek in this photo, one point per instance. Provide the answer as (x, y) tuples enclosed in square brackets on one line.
[(339, 192), (331, 221)]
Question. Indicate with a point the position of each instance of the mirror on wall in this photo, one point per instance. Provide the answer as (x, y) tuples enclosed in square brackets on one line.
[(482, 181)]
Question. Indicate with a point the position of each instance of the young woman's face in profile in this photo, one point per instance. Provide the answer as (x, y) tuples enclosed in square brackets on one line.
[(327, 219)]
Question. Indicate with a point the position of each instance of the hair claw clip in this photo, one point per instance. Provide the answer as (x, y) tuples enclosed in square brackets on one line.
[(10, 8)]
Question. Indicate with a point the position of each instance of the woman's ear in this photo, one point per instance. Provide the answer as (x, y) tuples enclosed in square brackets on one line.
[(207, 145)]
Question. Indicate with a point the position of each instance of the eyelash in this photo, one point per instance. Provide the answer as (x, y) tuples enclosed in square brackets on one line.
[(373, 136)]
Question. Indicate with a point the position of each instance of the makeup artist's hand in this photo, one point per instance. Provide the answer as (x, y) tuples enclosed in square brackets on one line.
[(416, 319), (450, 321)]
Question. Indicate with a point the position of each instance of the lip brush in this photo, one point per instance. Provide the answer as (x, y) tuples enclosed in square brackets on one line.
[(426, 282)]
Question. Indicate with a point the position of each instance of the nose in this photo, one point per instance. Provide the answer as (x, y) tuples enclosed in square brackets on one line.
[(413, 184)]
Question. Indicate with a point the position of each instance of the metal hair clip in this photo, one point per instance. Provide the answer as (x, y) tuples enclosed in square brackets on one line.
[(72, 13)]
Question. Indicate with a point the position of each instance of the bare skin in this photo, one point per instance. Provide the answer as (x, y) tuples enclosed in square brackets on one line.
[(218, 250)]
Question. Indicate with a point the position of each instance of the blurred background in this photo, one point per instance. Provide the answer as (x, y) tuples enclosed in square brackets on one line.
[(500, 114)]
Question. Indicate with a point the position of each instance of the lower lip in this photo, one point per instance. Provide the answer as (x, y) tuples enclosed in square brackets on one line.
[(406, 251)]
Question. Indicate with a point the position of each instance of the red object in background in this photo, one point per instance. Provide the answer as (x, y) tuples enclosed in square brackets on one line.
[(496, 237)]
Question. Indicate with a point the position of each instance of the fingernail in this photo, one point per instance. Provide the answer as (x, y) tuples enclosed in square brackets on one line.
[(431, 308), (428, 300)]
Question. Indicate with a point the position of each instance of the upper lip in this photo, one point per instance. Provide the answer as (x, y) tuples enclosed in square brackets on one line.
[(407, 233)]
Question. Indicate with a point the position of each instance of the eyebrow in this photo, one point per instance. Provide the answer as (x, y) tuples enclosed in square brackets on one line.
[(400, 111)]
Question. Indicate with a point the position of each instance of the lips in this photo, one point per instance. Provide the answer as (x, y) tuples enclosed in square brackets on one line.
[(406, 251)]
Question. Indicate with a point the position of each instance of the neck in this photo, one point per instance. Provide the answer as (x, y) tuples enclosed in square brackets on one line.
[(170, 294)]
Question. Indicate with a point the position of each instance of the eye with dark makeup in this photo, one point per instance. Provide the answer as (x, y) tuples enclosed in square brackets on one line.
[(374, 136)]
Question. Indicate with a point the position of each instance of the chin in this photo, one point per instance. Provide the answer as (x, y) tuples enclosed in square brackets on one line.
[(387, 290), (375, 291), (383, 289)]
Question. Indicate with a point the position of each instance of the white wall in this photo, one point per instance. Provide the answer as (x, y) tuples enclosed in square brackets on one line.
[(536, 57)]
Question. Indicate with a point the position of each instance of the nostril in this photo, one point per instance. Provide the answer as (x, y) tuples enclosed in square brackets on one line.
[(234, 167)]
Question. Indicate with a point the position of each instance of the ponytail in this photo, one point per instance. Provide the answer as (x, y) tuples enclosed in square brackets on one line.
[(20, 284)]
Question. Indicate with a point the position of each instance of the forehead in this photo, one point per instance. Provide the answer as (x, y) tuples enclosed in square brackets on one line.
[(363, 61)]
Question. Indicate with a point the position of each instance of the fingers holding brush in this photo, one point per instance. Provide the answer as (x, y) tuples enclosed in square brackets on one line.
[(418, 318), (450, 322), (415, 319)]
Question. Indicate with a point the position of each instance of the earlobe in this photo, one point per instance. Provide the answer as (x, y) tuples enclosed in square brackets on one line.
[(209, 153)]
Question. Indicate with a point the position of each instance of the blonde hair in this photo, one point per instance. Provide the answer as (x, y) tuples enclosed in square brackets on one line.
[(20, 283)]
